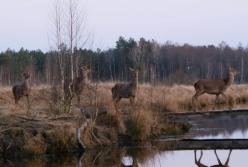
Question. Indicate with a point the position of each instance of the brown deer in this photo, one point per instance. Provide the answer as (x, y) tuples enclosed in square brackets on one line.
[(126, 90), (198, 161), (79, 83), (214, 87), (22, 89), (219, 162)]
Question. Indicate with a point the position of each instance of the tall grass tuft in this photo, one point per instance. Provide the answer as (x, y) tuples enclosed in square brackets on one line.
[(139, 125)]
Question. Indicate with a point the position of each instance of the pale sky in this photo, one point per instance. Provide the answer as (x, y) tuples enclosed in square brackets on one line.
[(26, 23)]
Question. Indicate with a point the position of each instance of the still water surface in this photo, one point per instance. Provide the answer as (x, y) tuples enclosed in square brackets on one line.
[(226, 127), (144, 158), (223, 127)]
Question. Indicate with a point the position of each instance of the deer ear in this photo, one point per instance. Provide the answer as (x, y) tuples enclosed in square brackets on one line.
[(131, 69), (229, 68)]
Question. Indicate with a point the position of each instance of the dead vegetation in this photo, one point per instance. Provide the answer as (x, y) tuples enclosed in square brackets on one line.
[(49, 130)]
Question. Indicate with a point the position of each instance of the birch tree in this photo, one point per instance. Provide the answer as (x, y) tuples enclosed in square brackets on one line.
[(77, 35)]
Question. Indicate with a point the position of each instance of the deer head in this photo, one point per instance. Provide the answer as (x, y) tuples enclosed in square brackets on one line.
[(26, 75), (135, 72), (233, 71), (84, 71)]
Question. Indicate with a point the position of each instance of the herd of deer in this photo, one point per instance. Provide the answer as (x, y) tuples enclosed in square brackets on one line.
[(129, 90)]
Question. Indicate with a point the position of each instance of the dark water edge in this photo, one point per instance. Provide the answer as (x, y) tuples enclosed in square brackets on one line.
[(104, 157), (142, 157)]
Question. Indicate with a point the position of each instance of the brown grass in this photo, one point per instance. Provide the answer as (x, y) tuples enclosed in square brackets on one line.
[(140, 121), (139, 125), (176, 98)]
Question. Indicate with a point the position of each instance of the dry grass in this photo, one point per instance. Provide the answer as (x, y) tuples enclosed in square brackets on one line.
[(140, 120), (176, 98), (139, 125)]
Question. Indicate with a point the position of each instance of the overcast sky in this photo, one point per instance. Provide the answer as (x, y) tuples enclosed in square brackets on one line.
[(26, 23)]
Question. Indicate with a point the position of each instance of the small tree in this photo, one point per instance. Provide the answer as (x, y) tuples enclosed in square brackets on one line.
[(69, 20)]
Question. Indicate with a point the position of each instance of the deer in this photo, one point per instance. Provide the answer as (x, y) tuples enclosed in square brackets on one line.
[(126, 90), (214, 87), (198, 161), (79, 83), (219, 162), (22, 89)]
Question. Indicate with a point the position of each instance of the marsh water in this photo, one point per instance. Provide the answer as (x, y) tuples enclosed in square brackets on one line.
[(226, 126), (141, 157), (232, 126)]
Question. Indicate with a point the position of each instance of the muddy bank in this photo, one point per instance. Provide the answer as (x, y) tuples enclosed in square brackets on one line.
[(25, 136), (22, 136)]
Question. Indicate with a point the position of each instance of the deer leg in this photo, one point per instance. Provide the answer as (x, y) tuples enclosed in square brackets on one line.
[(27, 96), (196, 95), (131, 100), (28, 103), (16, 100), (201, 156), (116, 100), (227, 161), (78, 99), (217, 99), (17, 97), (224, 96), (219, 162), (196, 161), (195, 98)]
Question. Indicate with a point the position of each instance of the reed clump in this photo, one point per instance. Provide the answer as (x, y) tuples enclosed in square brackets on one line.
[(139, 125), (61, 140)]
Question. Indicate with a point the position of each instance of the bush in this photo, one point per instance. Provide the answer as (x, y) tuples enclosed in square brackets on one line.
[(139, 125)]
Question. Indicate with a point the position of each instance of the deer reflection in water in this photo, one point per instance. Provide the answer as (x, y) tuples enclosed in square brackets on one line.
[(198, 161), (220, 164)]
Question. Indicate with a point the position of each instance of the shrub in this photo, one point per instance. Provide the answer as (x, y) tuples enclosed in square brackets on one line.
[(139, 125)]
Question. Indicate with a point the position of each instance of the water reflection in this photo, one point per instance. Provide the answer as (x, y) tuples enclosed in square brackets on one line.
[(220, 164), (125, 157), (198, 161), (141, 157), (228, 127)]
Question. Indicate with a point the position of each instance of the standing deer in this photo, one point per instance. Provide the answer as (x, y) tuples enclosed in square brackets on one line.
[(126, 90), (214, 87), (22, 89), (79, 83)]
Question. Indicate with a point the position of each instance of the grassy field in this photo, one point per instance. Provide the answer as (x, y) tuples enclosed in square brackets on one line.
[(48, 129), (176, 98)]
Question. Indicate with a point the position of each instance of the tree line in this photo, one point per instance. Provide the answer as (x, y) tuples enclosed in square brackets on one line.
[(158, 63)]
